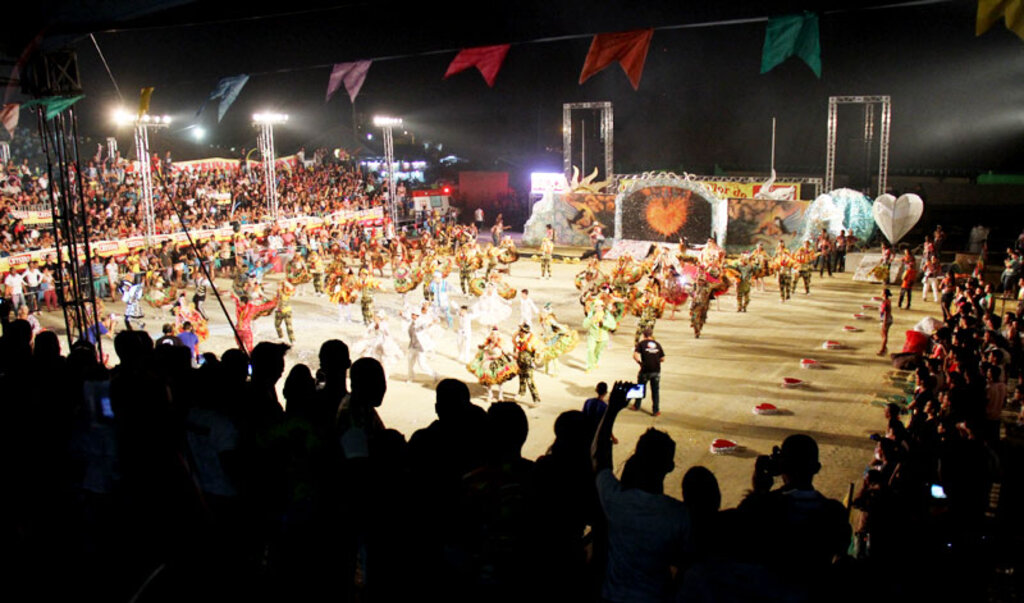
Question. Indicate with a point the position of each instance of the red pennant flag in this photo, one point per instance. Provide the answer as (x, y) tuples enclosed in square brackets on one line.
[(487, 59), (9, 117), (629, 48)]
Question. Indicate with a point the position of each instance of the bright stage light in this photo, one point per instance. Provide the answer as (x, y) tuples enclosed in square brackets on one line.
[(382, 121), (198, 133), (269, 118), (123, 117)]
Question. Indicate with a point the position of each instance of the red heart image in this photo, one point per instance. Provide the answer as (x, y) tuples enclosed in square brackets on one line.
[(665, 216)]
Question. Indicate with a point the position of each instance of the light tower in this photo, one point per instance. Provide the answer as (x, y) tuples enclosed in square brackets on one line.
[(264, 122), (386, 124), (142, 123)]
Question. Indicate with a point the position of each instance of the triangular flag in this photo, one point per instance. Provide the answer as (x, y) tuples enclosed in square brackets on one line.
[(144, 97), (53, 104), (629, 48), (9, 117), (792, 35), (989, 12), (487, 60), (352, 74), (226, 90)]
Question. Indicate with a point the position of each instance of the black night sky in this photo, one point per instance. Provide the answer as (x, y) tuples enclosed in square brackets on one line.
[(702, 101)]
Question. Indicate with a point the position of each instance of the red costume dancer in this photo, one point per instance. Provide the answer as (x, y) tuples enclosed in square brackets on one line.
[(245, 312)]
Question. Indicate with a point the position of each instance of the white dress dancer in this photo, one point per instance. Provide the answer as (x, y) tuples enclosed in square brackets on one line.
[(528, 310), (378, 344), (490, 310)]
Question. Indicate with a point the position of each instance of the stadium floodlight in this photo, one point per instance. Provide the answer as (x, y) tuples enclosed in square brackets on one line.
[(382, 121), (198, 133), (269, 118)]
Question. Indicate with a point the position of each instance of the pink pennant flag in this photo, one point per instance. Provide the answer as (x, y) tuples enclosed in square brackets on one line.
[(487, 59), (9, 117), (352, 74)]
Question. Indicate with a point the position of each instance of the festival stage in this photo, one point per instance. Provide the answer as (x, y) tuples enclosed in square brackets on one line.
[(709, 386)]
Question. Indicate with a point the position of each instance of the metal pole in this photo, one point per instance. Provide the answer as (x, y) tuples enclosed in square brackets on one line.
[(773, 145), (389, 159)]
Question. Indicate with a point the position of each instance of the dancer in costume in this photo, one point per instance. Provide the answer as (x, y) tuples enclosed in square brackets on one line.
[(559, 339), (491, 310), (804, 259), (590, 276), (468, 258), (298, 273), (493, 366), (131, 295), (527, 350), (882, 270), (440, 301), (782, 263), (761, 264), (367, 285), (712, 255), (491, 254), (378, 343), (742, 273), (420, 344), (190, 314), (700, 299), (674, 290), (508, 254), (199, 297), (547, 247), (598, 323), (245, 312), (649, 308), (283, 310), (316, 271)]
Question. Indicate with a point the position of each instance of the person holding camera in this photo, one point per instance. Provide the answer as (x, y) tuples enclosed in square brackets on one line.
[(649, 355), (649, 532), (804, 530)]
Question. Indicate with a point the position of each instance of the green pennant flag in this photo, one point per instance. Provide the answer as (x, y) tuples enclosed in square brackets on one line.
[(792, 35), (53, 104)]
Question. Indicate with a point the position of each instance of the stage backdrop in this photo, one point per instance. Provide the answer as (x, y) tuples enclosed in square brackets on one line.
[(662, 206), (753, 221), (572, 215)]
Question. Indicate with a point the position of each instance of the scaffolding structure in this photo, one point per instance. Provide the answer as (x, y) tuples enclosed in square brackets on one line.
[(50, 75), (387, 124), (607, 134), (264, 123), (885, 120)]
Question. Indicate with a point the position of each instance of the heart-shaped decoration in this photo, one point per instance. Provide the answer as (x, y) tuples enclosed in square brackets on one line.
[(665, 217), (895, 217)]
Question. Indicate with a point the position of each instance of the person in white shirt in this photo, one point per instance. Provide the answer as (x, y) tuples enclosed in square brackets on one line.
[(113, 278), (465, 335), (14, 289), (528, 310), (420, 344), (32, 278)]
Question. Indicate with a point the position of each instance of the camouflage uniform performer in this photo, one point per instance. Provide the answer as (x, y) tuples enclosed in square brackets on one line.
[(283, 311), (744, 275), (366, 285), (783, 262), (546, 249), (805, 259), (648, 315), (316, 268), (526, 350), (700, 299), (465, 258)]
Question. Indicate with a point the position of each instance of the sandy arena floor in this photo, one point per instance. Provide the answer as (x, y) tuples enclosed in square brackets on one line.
[(708, 388)]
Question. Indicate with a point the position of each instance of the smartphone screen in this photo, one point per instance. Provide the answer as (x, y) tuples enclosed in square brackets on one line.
[(97, 395), (938, 491), (636, 392)]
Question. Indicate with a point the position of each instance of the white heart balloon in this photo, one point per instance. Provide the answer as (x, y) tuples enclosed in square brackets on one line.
[(895, 217)]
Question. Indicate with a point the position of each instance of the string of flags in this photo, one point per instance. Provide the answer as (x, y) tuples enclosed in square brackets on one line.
[(786, 36)]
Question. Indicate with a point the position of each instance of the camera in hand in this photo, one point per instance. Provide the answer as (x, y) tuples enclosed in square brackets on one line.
[(769, 464)]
